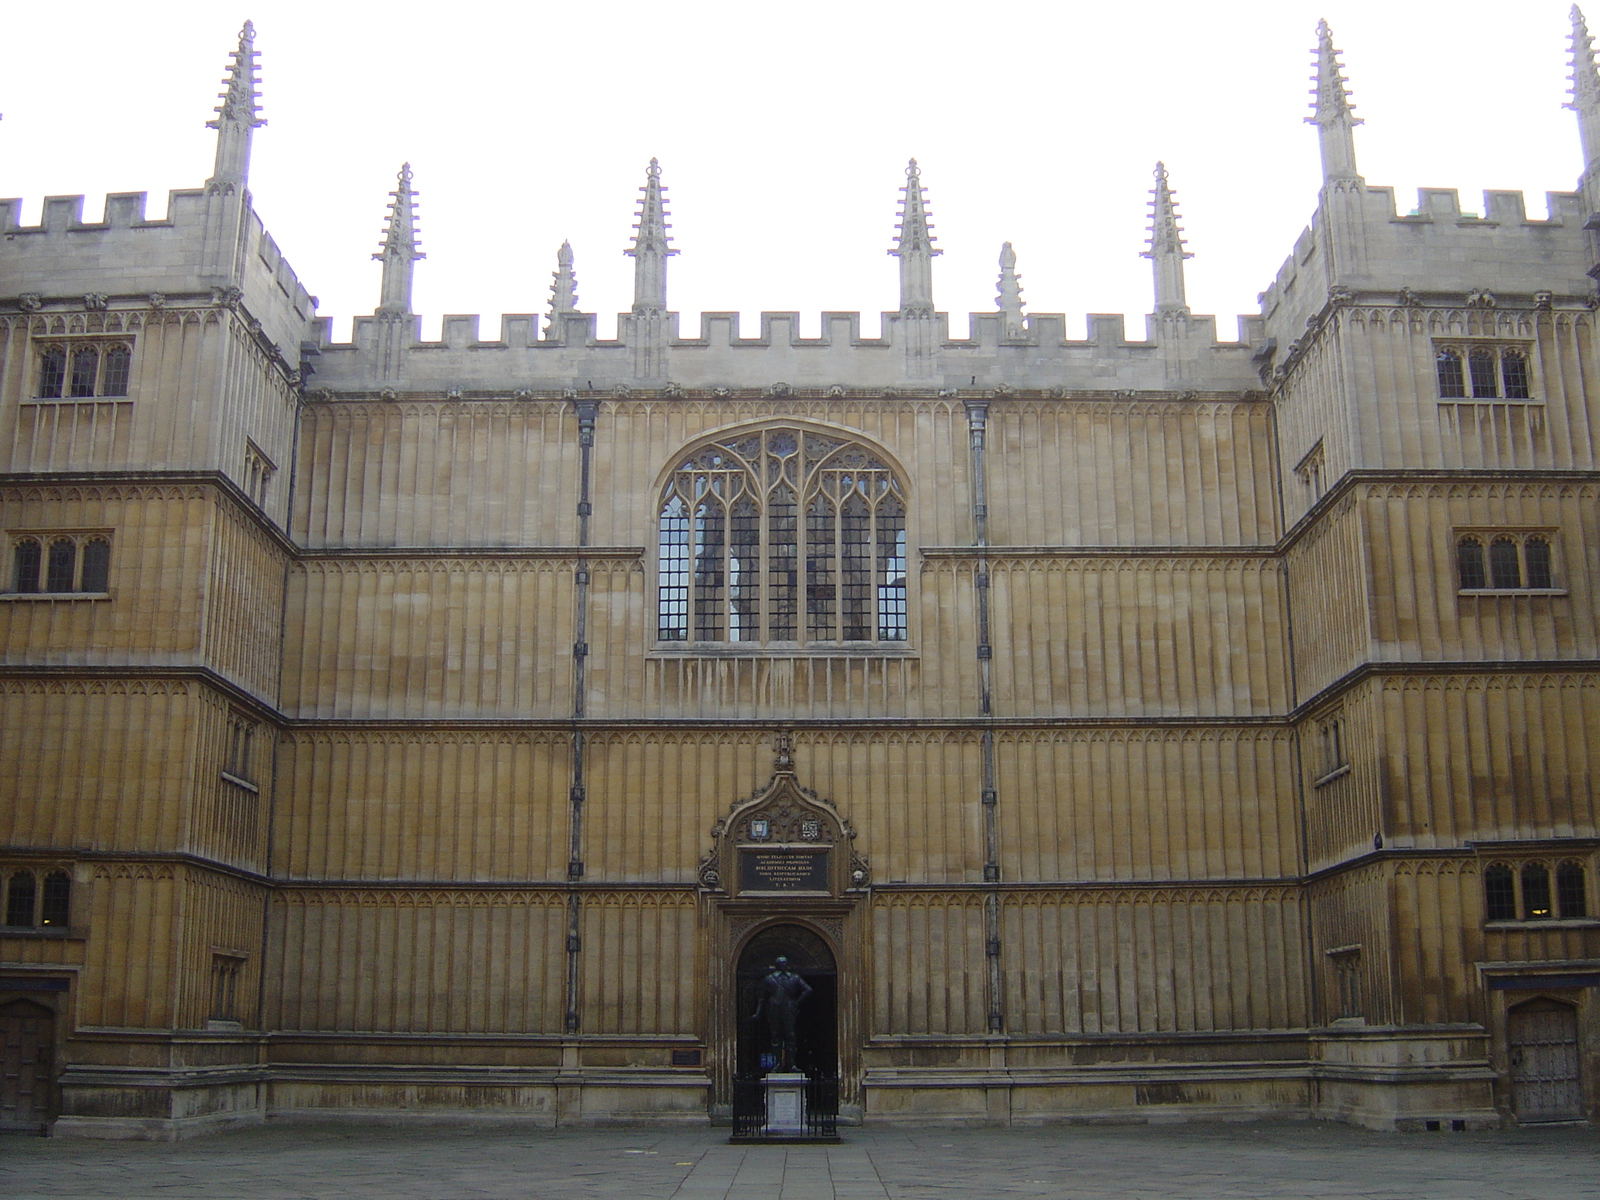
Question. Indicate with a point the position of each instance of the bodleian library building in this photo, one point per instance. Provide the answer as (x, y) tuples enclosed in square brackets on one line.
[(1127, 728)]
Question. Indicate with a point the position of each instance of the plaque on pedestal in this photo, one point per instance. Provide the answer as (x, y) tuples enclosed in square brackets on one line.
[(786, 1098)]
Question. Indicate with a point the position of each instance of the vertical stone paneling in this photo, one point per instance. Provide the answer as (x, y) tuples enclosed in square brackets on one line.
[(131, 974), (229, 821), (1505, 757), (1327, 580), (1345, 802), (928, 963), (220, 913), (244, 604), (639, 948), (1162, 960), (1351, 910), (417, 961), (432, 805), (1138, 637), (99, 764), (1111, 804)]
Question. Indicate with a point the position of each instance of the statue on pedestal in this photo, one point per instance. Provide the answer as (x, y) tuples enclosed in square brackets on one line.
[(782, 993)]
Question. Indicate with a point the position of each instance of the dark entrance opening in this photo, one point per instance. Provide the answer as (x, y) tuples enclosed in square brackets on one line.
[(816, 1024), (27, 1041)]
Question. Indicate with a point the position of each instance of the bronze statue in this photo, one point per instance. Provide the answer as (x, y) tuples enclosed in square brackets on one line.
[(782, 993)]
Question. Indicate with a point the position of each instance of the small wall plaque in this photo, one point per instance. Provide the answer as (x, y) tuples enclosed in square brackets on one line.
[(783, 870), (686, 1058)]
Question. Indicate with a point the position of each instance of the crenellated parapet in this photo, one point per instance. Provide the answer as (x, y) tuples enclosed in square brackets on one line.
[(127, 256), (1179, 352)]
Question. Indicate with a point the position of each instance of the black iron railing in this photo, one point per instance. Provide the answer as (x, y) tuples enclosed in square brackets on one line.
[(819, 1115)]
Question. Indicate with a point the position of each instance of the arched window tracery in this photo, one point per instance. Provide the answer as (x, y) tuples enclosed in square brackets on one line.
[(782, 536)]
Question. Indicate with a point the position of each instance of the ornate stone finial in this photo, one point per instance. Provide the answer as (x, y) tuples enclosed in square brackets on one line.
[(1331, 112), (1585, 88), (913, 246), (398, 252), (652, 246), (1008, 297), (1166, 253), (237, 115), (783, 754), (563, 288), (96, 301)]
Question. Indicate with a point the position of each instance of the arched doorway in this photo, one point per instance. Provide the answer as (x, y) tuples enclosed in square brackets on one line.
[(27, 1053), (1542, 1036), (816, 1024)]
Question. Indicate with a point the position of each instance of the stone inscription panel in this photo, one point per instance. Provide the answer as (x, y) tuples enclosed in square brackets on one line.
[(763, 870)]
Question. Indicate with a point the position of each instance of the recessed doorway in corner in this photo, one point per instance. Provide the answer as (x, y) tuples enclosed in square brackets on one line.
[(816, 1022)]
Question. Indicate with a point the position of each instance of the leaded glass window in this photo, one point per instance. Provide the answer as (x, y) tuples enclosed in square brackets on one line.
[(782, 536)]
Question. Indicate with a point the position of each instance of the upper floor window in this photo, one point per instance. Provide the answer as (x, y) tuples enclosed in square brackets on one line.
[(1310, 470), (238, 763), (258, 473), (1330, 732), (60, 563), (1483, 372), (35, 900), (782, 536), (83, 370), (1526, 893), (1504, 562)]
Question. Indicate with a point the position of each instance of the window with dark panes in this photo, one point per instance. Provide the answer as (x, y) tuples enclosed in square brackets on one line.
[(1452, 379), (26, 558), (61, 564), (1571, 893), (1505, 569), (55, 905), (19, 899), (1536, 892), (1514, 374), (1536, 554), (1481, 364), (52, 372), (1499, 893)]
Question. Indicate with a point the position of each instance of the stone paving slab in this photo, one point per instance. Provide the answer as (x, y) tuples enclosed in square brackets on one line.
[(1295, 1161)]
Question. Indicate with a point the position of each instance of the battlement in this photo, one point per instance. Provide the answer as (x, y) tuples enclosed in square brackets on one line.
[(1179, 351), (1360, 242), (128, 254)]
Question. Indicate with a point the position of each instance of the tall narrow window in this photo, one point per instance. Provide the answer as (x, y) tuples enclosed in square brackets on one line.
[(52, 373), (1514, 374), (1536, 553), (1499, 893), (56, 903), (225, 969), (85, 366), (1452, 379), (63, 559), (1570, 891), (782, 537), (1469, 562), (114, 371), (1536, 892), (19, 899), (96, 565), (1481, 364), (1505, 569), (672, 575), (26, 557)]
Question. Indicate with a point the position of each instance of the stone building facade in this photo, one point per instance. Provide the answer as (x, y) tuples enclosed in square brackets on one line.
[(1123, 728)]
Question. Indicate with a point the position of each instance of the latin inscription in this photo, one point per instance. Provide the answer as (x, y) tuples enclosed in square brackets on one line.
[(783, 870)]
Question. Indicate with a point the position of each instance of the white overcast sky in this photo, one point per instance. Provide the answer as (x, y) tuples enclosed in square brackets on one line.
[(783, 131)]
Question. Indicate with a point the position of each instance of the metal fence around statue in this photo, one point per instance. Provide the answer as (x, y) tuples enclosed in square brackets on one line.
[(820, 1116)]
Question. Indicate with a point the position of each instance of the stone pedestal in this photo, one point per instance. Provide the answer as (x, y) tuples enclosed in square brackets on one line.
[(786, 1104)]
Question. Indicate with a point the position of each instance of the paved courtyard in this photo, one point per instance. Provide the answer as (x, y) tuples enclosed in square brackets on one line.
[(1172, 1162)]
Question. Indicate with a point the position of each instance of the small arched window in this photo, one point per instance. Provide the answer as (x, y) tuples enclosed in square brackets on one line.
[(52, 372), (782, 536), (1499, 893), (1536, 892), (114, 371), (1514, 374), (1571, 893), (58, 570), (1505, 569), (1536, 554), (85, 367), (55, 906), (1481, 365), (1469, 563), (26, 557), (1452, 379), (19, 899), (96, 565)]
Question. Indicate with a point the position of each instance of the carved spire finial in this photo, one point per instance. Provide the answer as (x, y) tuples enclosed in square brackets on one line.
[(1585, 88), (563, 287), (1008, 299), (1166, 252), (913, 246), (238, 114), (1331, 112), (399, 252), (651, 247)]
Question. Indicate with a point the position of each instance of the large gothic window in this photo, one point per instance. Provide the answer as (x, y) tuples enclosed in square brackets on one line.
[(782, 537)]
